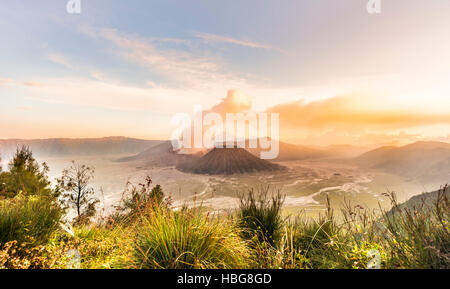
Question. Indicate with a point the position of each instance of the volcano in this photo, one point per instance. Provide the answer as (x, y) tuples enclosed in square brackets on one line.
[(227, 161)]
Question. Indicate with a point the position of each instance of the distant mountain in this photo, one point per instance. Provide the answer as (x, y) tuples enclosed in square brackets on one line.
[(428, 161), (227, 161), (88, 146), (292, 152), (162, 154), (344, 150)]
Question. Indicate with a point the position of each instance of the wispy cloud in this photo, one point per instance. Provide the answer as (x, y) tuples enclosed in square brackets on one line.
[(214, 38), (61, 59), (115, 96), (180, 67), (25, 108), (11, 82), (33, 83), (7, 82)]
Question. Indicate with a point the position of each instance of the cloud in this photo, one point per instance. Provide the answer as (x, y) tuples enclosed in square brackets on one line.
[(183, 68), (61, 59), (214, 38), (25, 108), (351, 113), (115, 96), (33, 84), (12, 82), (6, 82), (235, 102), (187, 69)]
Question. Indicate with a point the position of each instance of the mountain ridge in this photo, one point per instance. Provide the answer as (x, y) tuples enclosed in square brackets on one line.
[(424, 161), (161, 154), (78, 146)]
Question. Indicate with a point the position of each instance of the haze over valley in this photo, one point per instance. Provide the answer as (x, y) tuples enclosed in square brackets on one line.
[(216, 177)]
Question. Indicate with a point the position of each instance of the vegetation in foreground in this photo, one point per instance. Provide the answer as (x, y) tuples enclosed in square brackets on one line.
[(146, 232)]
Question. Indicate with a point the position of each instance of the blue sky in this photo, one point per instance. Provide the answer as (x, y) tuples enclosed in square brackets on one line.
[(124, 67)]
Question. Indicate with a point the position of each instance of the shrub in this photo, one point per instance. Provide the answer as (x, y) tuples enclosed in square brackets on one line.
[(15, 256), (102, 248), (138, 200), (89, 248), (28, 219), (260, 215), (419, 236), (187, 239)]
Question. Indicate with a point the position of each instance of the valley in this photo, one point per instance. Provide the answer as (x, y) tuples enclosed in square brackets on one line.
[(305, 183), (305, 176)]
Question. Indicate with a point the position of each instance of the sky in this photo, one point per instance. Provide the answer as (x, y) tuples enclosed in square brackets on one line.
[(335, 73)]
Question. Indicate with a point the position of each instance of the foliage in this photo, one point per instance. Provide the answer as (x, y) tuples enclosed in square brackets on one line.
[(138, 200), (25, 176), (28, 219), (100, 247), (15, 256), (75, 182)]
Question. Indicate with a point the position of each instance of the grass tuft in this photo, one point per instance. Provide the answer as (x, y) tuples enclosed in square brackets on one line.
[(188, 239)]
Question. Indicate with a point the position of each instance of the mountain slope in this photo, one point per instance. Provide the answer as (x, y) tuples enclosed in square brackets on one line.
[(162, 154), (429, 161), (295, 152), (292, 152), (345, 150), (228, 161), (424, 201)]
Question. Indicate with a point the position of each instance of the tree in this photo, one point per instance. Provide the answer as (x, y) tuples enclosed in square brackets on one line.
[(75, 182), (25, 176)]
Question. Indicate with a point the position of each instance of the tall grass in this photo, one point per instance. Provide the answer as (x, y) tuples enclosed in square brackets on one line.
[(404, 237), (310, 243), (260, 215), (28, 219), (419, 236), (188, 238)]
